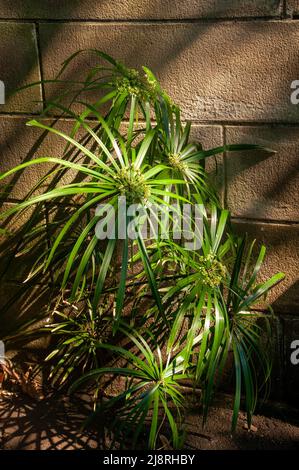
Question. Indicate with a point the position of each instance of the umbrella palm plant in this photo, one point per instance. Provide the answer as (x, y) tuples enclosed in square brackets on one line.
[(218, 297), (136, 150)]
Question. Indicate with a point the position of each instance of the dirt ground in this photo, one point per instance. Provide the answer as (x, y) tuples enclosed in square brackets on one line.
[(55, 424)]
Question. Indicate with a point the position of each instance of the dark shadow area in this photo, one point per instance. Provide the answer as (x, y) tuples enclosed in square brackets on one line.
[(282, 303), (56, 424), (27, 301), (51, 424), (264, 186), (268, 433), (103, 9)]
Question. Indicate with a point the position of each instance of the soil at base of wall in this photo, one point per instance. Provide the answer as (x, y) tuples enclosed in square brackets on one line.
[(55, 422)]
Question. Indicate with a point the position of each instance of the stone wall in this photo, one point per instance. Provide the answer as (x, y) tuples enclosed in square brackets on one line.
[(228, 63)]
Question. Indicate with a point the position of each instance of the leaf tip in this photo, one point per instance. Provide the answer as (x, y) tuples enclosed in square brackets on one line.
[(31, 123)]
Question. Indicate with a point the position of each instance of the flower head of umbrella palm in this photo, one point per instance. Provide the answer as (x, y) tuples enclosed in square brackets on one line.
[(131, 183), (212, 271), (132, 83), (177, 163)]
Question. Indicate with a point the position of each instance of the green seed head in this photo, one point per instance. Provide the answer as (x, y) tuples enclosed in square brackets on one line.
[(212, 271), (177, 163), (131, 183), (133, 83)]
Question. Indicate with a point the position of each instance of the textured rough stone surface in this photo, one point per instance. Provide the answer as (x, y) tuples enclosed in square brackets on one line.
[(215, 71), (292, 7), (231, 77), (20, 143), (18, 66), (282, 243), (263, 185), (211, 137), (144, 9), (277, 356)]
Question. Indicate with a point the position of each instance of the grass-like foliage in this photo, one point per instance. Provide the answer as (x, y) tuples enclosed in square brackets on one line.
[(149, 312)]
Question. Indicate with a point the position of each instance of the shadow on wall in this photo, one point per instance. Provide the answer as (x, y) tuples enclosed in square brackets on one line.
[(30, 238), (139, 47), (282, 303), (173, 46)]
